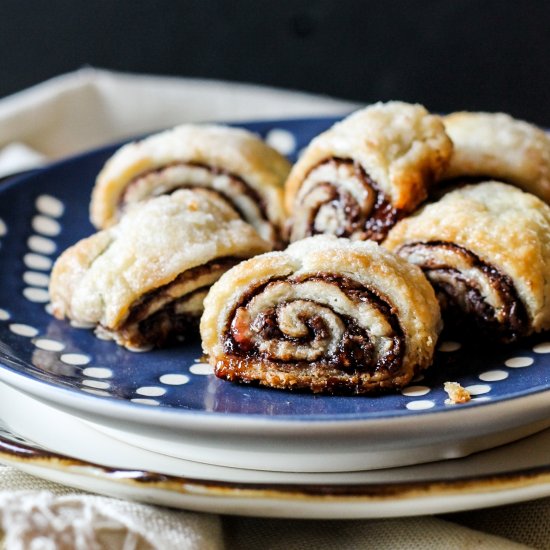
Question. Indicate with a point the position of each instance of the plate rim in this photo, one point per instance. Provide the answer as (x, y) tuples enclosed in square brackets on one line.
[(27, 452), (21, 455)]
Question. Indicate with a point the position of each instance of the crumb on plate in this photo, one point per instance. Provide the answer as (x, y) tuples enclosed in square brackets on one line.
[(457, 394)]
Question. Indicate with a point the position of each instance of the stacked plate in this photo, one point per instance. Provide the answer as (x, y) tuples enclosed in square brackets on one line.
[(160, 427)]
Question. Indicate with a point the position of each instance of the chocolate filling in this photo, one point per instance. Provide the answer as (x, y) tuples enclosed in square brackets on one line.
[(166, 325), (461, 299), (355, 351), (368, 221), (243, 186)]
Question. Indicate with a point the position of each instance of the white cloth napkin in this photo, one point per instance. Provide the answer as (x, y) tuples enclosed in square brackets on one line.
[(91, 107)]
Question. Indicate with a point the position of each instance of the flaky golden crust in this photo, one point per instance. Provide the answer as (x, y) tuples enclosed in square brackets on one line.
[(233, 162), (400, 149), (497, 146), (100, 279), (505, 228), (326, 315)]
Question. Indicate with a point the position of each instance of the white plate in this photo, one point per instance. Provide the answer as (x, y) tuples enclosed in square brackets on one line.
[(92, 461)]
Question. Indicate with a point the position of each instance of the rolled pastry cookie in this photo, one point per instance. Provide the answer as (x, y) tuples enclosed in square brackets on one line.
[(326, 315), (232, 162), (359, 177), (486, 250), (143, 281), (495, 146)]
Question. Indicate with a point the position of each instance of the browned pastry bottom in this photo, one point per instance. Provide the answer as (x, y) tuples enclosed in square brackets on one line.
[(306, 377)]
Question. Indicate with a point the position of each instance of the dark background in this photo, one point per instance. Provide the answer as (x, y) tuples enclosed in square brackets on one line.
[(463, 54)]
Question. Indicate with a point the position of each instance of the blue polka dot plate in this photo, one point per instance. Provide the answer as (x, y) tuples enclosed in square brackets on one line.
[(169, 401)]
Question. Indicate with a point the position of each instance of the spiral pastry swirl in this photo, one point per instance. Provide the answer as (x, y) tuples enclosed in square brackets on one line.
[(486, 250), (233, 163), (340, 199), (360, 177), (326, 315)]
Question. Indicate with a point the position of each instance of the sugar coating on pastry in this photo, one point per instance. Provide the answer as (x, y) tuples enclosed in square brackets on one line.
[(486, 248), (232, 162), (357, 178), (326, 315), (162, 251), (499, 147)]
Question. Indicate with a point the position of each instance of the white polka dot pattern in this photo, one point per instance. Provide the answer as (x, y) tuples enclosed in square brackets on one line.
[(281, 140), (95, 381), (519, 362), (415, 391), (50, 206), (23, 330), (46, 226), (97, 372), (542, 348), (151, 391), (144, 401), (201, 369), (478, 389), (49, 345), (37, 261), (38, 295), (449, 346), (35, 278), (75, 359), (420, 405), (174, 379), (42, 245), (493, 375)]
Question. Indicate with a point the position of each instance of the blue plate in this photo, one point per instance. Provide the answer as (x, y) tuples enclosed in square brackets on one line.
[(43, 213)]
